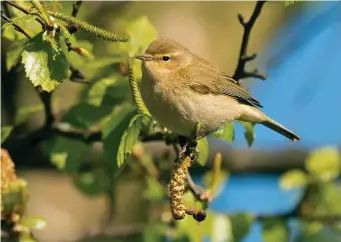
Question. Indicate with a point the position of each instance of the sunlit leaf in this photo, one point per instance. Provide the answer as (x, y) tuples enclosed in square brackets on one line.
[(203, 151), (33, 222), (274, 229), (19, 20), (112, 135), (5, 132), (46, 63), (14, 53), (11, 34), (249, 133), (293, 178), (324, 163), (128, 139), (241, 223), (67, 154), (225, 133)]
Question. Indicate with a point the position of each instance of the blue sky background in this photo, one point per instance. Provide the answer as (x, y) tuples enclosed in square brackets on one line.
[(303, 89)]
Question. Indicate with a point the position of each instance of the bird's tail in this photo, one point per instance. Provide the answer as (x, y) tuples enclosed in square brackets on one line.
[(280, 129)]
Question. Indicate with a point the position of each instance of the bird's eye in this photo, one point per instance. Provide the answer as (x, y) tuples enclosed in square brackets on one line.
[(165, 58)]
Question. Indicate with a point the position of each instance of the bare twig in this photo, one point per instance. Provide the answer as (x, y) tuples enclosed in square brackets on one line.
[(16, 27), (243, 57), (22, 9), (75, 8)]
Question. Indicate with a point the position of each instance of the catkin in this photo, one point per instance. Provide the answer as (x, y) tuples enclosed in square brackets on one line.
[(99, 32), (176, 190)]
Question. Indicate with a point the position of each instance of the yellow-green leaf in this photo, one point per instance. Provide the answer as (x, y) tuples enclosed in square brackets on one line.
[(33, 222), (203, 151), (5, 132), (241, 223), (14, 53), (249, 133), (293, 178), (324, 163), (226, 132), (128, 139), (46, 63), (274, 229)]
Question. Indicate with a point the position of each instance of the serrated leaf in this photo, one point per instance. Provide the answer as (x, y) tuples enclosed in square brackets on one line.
[(33, 222), (324, 163), (112, 134), (293, 178), (128, 139), (241, 224), (14, 53), (249, 133), (226, 132), (274, 229), (203, 151), (46, 63), (5, 132)]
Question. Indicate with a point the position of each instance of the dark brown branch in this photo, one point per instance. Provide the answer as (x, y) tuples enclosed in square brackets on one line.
[(16, 27), (243, 57), (41, 21), (75, 8)]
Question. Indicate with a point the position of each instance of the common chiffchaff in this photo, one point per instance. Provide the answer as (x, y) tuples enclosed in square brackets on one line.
[(181, 89)]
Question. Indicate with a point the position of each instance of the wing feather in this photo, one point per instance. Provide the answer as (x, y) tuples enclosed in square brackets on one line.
[(206, 79)]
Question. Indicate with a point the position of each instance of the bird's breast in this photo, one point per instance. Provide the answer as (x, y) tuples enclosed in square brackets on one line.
[(178, 108)]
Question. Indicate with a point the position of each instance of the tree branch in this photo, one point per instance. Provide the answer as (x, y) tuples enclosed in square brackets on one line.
[(240, 72), (75, 8), (38, 19), (16, 27)]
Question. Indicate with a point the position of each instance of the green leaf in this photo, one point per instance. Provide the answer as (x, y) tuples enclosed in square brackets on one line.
[(293, 178), (324, 164), (128, 139), (33, 222), (274, 229), (19, 20), (110, 91), (203, 151), (112, 135), (249, 133), (92, 183), (24, 112), (225, 133), (289, 3), (241, 223), (67, 154), (141, 33), (5, 132), (14, 53), (11, 34), (46, 63)]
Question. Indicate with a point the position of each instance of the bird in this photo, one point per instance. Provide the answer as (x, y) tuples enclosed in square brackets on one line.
[(182, 90)]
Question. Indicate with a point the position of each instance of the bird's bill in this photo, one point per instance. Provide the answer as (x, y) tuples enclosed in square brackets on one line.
[(144, 57)]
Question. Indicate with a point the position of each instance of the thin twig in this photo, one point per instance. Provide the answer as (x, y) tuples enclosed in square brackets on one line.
[(16, 27), (22, 9), (75, 8), (243, 57)]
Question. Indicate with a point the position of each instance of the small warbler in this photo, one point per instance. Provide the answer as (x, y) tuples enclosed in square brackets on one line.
[(181, 89)]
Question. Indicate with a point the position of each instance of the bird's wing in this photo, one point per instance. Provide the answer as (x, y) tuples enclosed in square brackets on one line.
[(206, 79)]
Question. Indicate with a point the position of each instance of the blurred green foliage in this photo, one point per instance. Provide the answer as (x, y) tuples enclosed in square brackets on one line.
[(108, 106)]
